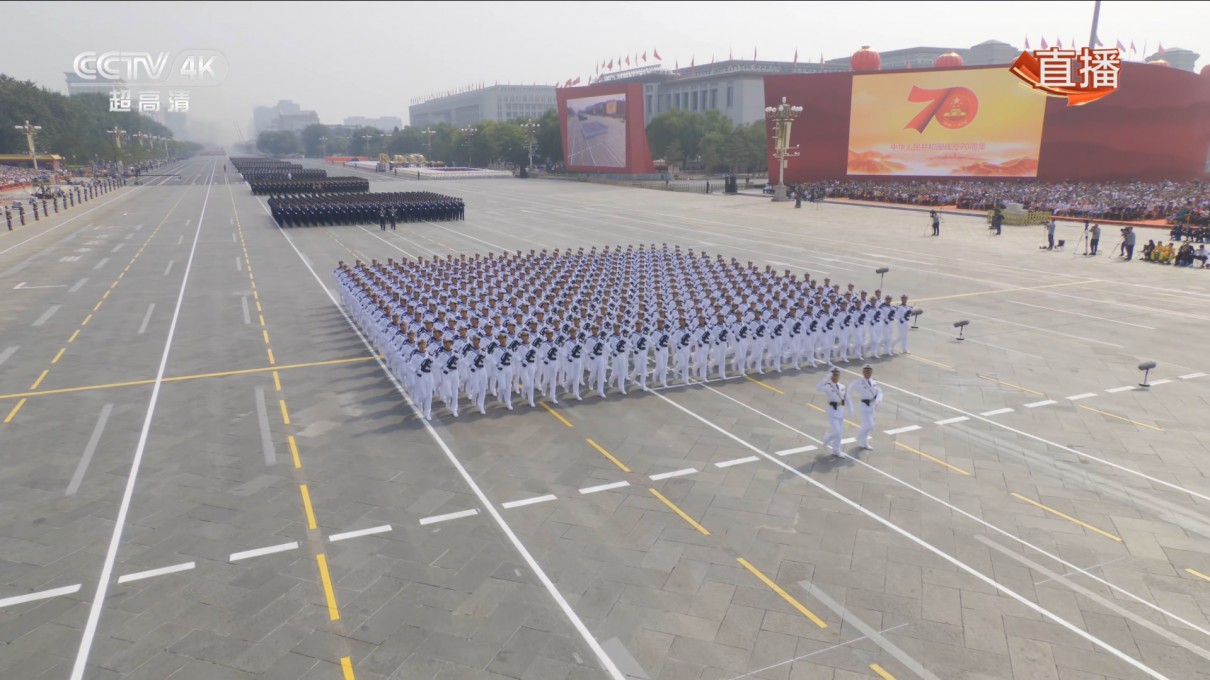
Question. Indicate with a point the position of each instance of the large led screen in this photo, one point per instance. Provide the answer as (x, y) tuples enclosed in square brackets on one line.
[(596, 131), (970, 123)]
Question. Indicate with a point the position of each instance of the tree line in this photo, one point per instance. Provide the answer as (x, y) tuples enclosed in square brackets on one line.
[(75, 127), (490, 142), (708, 142)]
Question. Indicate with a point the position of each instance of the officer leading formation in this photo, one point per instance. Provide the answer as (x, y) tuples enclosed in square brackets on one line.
[(555, 322)]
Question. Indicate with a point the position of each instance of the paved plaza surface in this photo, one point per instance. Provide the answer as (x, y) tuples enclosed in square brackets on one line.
[(207, 474)]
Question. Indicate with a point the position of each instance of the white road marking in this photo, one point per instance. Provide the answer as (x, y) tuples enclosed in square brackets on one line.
[(447, 517), (359, 533), (996, 412), (117, 247), (180, 239), (266, 436), (46, 315), (950, 421), (1077, 397), (527, 501), (101, 263), (169, 267), (41, 595), (736, 461), (1191, 376), (261, 552), (959, 564), (151, 573), (129, 236), (1044, 402), (1162, 381), (91, 448), (1090, 316), (146, 318), (1124, 388), (589, 639), (8, 352), (247, 314), (848, 440), (77, 286), (239, 263), (233, 237), (103, 581), (801, 449), (674, 473), (901, 430), (603, 487)]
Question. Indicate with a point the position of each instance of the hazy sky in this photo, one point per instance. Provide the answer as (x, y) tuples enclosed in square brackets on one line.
[(371, 59)]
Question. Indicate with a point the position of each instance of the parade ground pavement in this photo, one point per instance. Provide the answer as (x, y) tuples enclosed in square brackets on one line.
[(207, 474)]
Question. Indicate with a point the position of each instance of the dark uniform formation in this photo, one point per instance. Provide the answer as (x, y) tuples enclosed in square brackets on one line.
[(383, 208), (513, 323), (327, 185)]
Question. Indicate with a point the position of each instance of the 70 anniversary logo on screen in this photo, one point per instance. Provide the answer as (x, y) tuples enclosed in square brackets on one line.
[(153, 74)]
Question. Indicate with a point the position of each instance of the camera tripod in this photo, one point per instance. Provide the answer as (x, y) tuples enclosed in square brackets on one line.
[(1084, 238)]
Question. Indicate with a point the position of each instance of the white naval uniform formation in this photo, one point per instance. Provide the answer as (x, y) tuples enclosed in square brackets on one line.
[(551, 323)]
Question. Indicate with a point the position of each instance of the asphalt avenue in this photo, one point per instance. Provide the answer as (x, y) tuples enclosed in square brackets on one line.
[(207, 474)]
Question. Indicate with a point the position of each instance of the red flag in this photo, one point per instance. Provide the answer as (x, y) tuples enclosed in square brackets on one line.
[(577, 81), (610, 64), (656, 53), (1161, 50), (795, 55), (1027, 48), (1044, 45), (628, 60), (644, 56)]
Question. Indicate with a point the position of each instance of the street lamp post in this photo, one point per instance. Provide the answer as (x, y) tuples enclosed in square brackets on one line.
[(783, 116), (428, 138), (30, 131), (469, 132), (323, 148), (531, 129), (117, 140)]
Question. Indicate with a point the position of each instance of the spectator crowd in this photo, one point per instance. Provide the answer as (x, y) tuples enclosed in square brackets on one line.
[(1177, 202)]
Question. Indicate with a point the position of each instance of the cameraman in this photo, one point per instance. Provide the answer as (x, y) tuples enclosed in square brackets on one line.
[(1128, 242), (1094, 237)]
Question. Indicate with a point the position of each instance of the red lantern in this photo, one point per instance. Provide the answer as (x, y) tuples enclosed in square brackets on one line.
[(865, 59), (948, 60), (1206, 71)]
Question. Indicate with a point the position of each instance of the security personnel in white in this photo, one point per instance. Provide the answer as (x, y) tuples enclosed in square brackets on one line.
[(866, 394), (904, 318), (619, 371), (639, 348), (684, 345), (505, 365), (476, 374), (835, 407), (447, 358), (423, 382), (662, 341)]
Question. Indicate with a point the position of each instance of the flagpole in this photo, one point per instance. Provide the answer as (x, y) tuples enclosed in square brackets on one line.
[(1096, 17)]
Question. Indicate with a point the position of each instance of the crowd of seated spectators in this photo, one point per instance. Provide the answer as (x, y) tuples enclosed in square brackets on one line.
[(1183, 255), (1177, 202), (11, 176)]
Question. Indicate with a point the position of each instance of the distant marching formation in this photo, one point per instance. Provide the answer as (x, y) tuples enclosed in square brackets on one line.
[(517, 323)]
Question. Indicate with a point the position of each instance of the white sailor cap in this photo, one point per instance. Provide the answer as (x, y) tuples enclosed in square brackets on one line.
[(867, 367)]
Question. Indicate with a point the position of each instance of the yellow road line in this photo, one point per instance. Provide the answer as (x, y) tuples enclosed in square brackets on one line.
[(306, 499), (333, 611), (276, 382), (882, 673), (294, 451), (98, 306), (346, 667), (40, 379), (285, 415), (1198, 574), (785, 596), (608, 455), (1067, 517), (13, 413), (932, 458), (1008, 384), (86, 320), (149, 381), (821, 410), (262, 319), (764, 385), (73, 336), (917, 357), (272, 361), (1008, 290), (258, 309), (106, 295), (58, 356), (817, 408), (1104, 413), (265, 335), (552, 412), (672, 506)]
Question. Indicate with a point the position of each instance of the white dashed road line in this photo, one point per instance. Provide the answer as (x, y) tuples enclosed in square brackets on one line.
[(901, 430), (996, 412), (603, 487), (1044, 402), (1191, 376), (674, 473), (801, 449), (101, 262), (1163, 381), (1115, 390), (42, 595), (1077, 397), (359, 533), (150, 573), (447, 517), (951, 421), (528, 501), (736, 461), (260, 552)]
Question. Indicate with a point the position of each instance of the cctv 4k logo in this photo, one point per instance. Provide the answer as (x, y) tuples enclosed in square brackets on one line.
[(1083, 77), (188, 68)]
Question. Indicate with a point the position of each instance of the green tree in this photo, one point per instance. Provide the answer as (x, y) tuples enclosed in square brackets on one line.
[(312, 140), (549, 139), (277, 143)]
